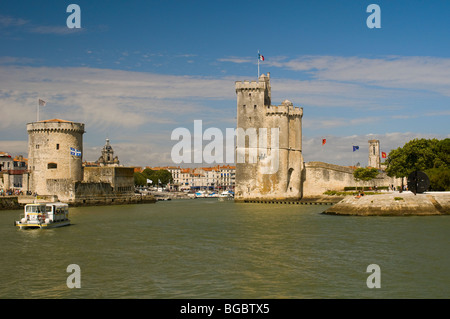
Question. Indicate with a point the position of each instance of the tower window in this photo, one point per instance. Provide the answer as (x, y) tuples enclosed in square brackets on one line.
[(57, 146), (254, 106), (52, 165)]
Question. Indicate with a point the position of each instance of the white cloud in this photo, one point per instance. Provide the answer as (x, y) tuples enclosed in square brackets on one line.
[(104, 97), (8, 21), (418, 73), (58, 30), (236, 60)]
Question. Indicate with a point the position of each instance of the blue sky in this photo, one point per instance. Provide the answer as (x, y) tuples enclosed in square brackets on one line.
[(137, 70)]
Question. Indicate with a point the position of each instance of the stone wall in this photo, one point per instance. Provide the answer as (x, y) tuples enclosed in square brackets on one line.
[(9, 202), (318, 177), (120, 178)]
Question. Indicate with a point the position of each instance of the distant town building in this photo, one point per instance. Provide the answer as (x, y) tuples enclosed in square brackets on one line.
[(216, 177), (13, 172)]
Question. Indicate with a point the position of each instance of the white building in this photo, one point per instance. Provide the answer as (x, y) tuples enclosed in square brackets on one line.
[(213, 178)]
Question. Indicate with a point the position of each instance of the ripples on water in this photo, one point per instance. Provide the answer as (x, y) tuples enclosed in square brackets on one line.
[(211, 249)]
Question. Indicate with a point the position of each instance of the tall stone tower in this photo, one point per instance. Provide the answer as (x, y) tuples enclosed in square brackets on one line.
[(374, 154), (271, 150), (55, 149)]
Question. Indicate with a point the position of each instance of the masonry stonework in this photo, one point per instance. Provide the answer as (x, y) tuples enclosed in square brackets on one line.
[(55, 163), (49, 156), (374, 154), (255, 176), (293, 178)]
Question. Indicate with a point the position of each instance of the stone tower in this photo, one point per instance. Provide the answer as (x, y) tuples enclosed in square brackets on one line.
[(374, 154), (55, 149), (270, 166)]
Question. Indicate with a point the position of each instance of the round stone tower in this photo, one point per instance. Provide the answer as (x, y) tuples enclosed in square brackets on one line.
[(55, 149)]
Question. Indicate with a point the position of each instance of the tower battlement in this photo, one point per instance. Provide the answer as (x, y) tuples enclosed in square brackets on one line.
[(286, 108), (247, 85), (56, 125)]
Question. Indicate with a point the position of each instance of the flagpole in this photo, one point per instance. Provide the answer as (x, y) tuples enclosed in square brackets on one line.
[(37, 119), (352, 154), (258, 64)]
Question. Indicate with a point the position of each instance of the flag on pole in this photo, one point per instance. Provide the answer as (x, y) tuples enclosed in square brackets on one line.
[(355, 148), (260, 57), (383, 155), (42, 102), (324, 140), (75, 152)]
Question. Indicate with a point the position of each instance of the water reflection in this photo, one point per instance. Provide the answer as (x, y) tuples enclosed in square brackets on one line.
[(211, 249)]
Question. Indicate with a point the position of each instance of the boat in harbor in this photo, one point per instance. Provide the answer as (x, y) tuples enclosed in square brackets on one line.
[(226, 195), (44, 215)]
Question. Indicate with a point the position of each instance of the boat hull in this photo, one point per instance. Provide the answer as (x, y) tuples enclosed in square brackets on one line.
[(43, 225)]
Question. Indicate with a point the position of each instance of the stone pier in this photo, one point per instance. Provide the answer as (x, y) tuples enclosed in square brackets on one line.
[(393, 204)]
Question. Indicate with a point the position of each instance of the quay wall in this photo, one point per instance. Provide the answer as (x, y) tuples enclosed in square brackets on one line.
[(10, 202)]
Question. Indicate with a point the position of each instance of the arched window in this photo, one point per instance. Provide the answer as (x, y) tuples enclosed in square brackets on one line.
[(52, 165)]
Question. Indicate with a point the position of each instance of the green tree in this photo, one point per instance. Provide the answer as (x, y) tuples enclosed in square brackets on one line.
[(139, 179), (439, 178), (365, 174), (431, 156), (161, 177)]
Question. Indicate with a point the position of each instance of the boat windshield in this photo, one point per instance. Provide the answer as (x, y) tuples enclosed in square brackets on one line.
[(35, 209)]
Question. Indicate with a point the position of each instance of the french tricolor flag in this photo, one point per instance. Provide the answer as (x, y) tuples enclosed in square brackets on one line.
[(260, 57)]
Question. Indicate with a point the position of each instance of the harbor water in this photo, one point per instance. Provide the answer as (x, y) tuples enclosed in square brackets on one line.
[(205, 248)]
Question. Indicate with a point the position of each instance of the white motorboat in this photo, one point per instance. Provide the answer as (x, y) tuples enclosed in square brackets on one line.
[(44, 215), (226, 195)]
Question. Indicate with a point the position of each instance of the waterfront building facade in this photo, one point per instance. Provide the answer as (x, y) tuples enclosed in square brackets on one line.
[(13, 173), (212, 178)]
